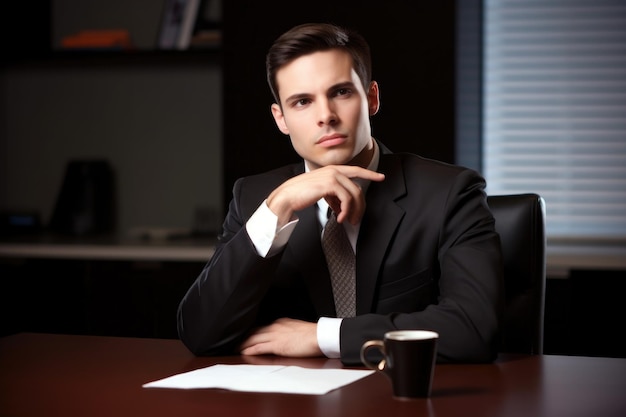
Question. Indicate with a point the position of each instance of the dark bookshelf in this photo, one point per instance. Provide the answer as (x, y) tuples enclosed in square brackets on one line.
[(26, 29), (113, 58)]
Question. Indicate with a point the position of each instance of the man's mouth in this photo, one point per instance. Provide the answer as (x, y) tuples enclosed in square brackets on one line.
[(332, 140)]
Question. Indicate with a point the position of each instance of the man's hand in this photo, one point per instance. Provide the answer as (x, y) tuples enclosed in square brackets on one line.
[(284, 337), (334, 183)]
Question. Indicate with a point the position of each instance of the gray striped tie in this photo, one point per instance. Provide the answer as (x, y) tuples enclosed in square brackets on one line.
[(342, 267)]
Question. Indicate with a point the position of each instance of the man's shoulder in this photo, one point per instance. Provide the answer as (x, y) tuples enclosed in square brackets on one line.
[(249, 191), (272, 177), (420, 175), (423, 165)]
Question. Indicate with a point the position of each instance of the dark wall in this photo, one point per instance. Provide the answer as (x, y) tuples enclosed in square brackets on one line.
[(94, 297), (585, 314), (413, 61)]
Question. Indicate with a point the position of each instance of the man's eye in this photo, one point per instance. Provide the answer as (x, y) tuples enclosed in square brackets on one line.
[(301, 102), (343, 91)]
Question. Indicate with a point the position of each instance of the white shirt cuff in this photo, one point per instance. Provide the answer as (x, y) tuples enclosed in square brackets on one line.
[(328, 336), (261, 228)]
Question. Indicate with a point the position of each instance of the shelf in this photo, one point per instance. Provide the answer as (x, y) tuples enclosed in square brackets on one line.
[(72, 58), (110, 249)]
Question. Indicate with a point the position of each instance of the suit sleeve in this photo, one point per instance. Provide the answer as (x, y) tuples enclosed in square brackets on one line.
[(221, 305), (469, 283)]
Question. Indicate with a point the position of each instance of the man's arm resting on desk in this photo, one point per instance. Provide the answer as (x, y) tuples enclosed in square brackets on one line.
[(285, 336)]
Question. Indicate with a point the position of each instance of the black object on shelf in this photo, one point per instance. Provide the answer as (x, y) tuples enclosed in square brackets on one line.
[(86, 202)]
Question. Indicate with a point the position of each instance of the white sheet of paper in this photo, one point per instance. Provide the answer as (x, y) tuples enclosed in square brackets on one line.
[(263, 378)]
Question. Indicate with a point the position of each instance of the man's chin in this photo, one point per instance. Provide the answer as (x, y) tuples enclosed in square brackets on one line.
[(337, 160)]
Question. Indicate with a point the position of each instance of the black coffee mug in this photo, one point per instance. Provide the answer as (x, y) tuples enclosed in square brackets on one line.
[(409, 358)]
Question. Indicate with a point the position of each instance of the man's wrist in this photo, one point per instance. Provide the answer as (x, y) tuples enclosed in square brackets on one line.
[(267, 237), (328, 330)]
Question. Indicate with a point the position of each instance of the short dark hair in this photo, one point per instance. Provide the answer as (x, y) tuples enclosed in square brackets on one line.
[(314, 37)]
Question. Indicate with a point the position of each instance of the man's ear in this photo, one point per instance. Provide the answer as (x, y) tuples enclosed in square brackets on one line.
[(279, 118), (373, 99)]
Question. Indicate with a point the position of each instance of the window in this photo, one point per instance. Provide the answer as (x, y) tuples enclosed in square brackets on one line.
[(554, 115)]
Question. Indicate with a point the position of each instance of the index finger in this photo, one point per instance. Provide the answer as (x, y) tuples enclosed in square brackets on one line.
[(353, 171)]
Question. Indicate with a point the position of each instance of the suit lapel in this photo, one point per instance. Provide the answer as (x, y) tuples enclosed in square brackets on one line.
[(379, 224)]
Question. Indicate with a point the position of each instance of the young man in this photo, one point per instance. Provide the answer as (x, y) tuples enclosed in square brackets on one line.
[(427, 255)]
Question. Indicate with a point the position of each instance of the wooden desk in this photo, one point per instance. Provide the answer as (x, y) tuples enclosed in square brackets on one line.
[(60, 375)]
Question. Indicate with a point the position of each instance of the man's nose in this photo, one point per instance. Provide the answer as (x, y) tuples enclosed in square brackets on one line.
[(327, 113)]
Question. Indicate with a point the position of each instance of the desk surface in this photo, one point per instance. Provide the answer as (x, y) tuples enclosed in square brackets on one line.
[(60, 375)]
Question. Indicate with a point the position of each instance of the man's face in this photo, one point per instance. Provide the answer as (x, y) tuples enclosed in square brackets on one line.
[(325, 110)]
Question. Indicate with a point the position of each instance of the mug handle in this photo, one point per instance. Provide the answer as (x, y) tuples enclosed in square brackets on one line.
[(373, 344)]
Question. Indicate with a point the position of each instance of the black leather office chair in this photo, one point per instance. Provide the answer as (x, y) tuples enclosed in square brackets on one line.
[(520, 221)]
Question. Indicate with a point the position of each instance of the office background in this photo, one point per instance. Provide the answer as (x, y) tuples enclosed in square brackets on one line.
[(179, 128)]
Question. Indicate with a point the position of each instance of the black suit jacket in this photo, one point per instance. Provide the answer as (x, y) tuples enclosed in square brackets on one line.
[(428, 257)]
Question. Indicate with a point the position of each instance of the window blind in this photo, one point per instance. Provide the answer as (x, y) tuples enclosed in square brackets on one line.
[(554, 119)]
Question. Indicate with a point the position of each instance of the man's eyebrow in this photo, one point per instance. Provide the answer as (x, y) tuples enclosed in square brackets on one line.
[(334, 87), (296, 97), (346, 84)]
